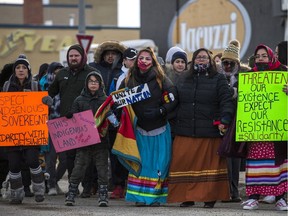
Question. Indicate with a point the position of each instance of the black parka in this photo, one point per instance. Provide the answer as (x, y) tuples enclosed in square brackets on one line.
[(203, 100), (69, 85)]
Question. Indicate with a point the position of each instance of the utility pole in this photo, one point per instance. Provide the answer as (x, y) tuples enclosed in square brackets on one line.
[(81, 26)]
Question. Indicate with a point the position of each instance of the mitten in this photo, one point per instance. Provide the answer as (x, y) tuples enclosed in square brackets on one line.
[(69, 115), (47, 100)]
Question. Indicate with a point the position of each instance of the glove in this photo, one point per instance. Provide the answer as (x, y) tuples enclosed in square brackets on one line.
[(167, 97), (47, 100), (153, 113), (114, 107), (69, 115)]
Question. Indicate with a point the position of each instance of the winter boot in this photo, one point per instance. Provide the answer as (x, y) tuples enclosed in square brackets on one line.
[(38, 184), (17, 195), (17, 189), (103, 196), (73, 188)]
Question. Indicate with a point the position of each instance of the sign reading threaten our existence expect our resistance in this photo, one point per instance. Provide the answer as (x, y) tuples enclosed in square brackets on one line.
[(23, 119), (262, 107)]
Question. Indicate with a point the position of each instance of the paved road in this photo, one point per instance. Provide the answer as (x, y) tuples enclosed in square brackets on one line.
[(54, 206)]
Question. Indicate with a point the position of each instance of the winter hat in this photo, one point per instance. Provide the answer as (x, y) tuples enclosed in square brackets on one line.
[(22, 60), (170, 53), (130, 53), (232, 51), (179, 54)]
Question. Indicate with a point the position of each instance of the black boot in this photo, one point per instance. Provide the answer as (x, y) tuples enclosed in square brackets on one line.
[(28, 192), (103, 196), (187, 204), (71, 194), (209, 204)]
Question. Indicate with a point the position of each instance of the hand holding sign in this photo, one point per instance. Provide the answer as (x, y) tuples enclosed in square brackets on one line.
[(125, 97)]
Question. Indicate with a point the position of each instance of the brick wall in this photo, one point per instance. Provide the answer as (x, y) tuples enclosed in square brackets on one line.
[(33, 12)]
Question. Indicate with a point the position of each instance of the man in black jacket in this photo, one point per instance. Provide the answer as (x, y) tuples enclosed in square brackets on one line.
[(69, 82)]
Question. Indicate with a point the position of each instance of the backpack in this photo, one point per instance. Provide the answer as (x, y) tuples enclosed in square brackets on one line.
[(34, 86)]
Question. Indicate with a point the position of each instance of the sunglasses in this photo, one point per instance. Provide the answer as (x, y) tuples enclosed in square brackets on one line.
[(226, 63)]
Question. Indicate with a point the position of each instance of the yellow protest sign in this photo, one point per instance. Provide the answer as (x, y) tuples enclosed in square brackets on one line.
[(262, 106), (23, 119)]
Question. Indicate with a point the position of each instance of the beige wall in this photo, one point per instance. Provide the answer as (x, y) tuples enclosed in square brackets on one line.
[(43, 45)]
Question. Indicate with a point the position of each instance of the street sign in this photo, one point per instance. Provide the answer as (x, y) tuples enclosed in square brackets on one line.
[(85, 41)]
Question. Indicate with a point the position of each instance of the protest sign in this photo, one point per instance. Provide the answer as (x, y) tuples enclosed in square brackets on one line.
[(23, 119), (77, 132), (262, 107), (129, 96)]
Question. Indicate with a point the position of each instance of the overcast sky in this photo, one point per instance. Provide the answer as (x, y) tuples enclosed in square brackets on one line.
[(128, 12)]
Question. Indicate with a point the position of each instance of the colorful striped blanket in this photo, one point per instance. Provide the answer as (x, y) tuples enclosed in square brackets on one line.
[(125, 145)]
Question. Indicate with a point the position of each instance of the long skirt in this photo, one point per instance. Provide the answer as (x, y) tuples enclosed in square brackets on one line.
[(151, 185), (197, 173), (263, 176)]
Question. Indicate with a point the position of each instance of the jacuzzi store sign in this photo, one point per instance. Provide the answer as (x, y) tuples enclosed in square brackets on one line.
[(210, 24)]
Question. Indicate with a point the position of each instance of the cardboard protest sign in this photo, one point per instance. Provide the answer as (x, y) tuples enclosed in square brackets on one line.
[(129, 96), (23, 119), (262, 107), (77, 132)]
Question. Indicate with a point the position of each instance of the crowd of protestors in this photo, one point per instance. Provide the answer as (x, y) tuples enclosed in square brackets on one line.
[(177, 129)]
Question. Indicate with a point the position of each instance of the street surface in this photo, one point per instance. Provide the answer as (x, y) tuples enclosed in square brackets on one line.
[(54, 206)]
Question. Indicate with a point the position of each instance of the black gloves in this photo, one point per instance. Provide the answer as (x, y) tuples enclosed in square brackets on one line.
[(47, 100), (153, 113), (69, 115)]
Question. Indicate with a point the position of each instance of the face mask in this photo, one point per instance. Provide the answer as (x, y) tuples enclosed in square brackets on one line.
[(262, 66), (142, 66), (201, 67)]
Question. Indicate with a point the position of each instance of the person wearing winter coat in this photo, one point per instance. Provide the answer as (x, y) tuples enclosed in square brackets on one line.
[(21, 80), (50, 154), (91, 98), (69, 82), (266, 161), (108, 59), (152, 130), (178, 65), (197, 173), (230, 66)]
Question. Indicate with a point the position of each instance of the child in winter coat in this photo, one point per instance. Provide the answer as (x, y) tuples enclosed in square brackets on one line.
[(91, 98)]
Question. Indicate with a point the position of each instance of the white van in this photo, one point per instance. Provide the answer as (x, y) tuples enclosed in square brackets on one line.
[(137, 44)]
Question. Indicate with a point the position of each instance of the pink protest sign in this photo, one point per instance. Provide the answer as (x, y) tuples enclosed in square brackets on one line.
[(77, 132)]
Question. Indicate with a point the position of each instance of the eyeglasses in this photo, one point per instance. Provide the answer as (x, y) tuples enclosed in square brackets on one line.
[(226, 63), (202, 57), (93, 81), (261, 56)]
